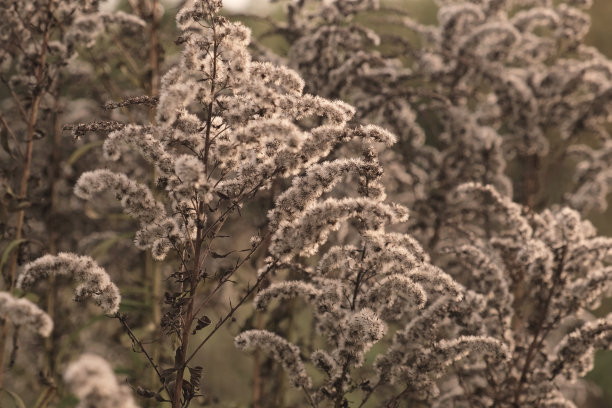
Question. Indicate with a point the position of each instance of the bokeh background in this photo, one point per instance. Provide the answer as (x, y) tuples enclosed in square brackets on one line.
[(221, 354)]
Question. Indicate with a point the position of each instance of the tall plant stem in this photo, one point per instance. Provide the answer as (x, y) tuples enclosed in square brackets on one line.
[(154, 57), (54, 169), (257, 380), (153, 271), (527, 197), (540, 332), (181, 353), (23, 185)]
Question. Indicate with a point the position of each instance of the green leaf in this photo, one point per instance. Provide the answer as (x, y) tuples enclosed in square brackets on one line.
[(82, 150), (103, 247), (18, 401), (68, 401), (8, 190), (7, 251), (20, 205), (4, 142)]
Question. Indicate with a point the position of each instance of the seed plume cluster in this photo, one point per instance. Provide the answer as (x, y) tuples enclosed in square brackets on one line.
[(380, 212)]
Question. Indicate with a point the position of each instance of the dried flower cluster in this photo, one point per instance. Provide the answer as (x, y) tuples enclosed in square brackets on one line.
[(495, 84), (226, 128), (92, 380), (24, 313), (376, 202), (356, 293), (541, 274), (93, 281), (44, 46)]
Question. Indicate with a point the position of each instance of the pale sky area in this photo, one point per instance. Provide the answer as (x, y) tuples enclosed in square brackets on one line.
[(233, 6), (237, 5)]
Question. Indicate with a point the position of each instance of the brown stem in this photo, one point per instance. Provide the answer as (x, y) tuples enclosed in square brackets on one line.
[(212, 97), (54, 169), (339, 400), (3, 338), (393, 402), (153, 275), (180, 359), (23, 185), (46, 397), (154, 62), (538, 335), (369, 393), (154, 57), (16, 99), (257, 380), (232, 311)]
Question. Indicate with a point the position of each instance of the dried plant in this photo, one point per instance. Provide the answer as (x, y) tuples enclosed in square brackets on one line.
[(375, 226), (22, 312), (226, 128), (501, 94), (95, 281), (92, 379), (41, 73), (494, 86), (357, 292), (541, 274)]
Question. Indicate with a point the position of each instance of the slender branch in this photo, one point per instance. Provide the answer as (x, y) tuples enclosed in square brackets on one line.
[(394, 401), (137, 341), (369, 394), (222, 282), (212, 94), (309, 398), (46, 396), (538, 336), (12, 135), (233, 309)]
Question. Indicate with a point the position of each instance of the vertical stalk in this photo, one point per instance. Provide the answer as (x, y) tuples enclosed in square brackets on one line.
[(152, 270), (54, 169), (181, 353), (257, 381), (23, 185), (539, 331), (530, 166), (154, 60)]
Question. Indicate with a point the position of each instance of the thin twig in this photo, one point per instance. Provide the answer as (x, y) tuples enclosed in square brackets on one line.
[(137, 341), (233, 309)]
